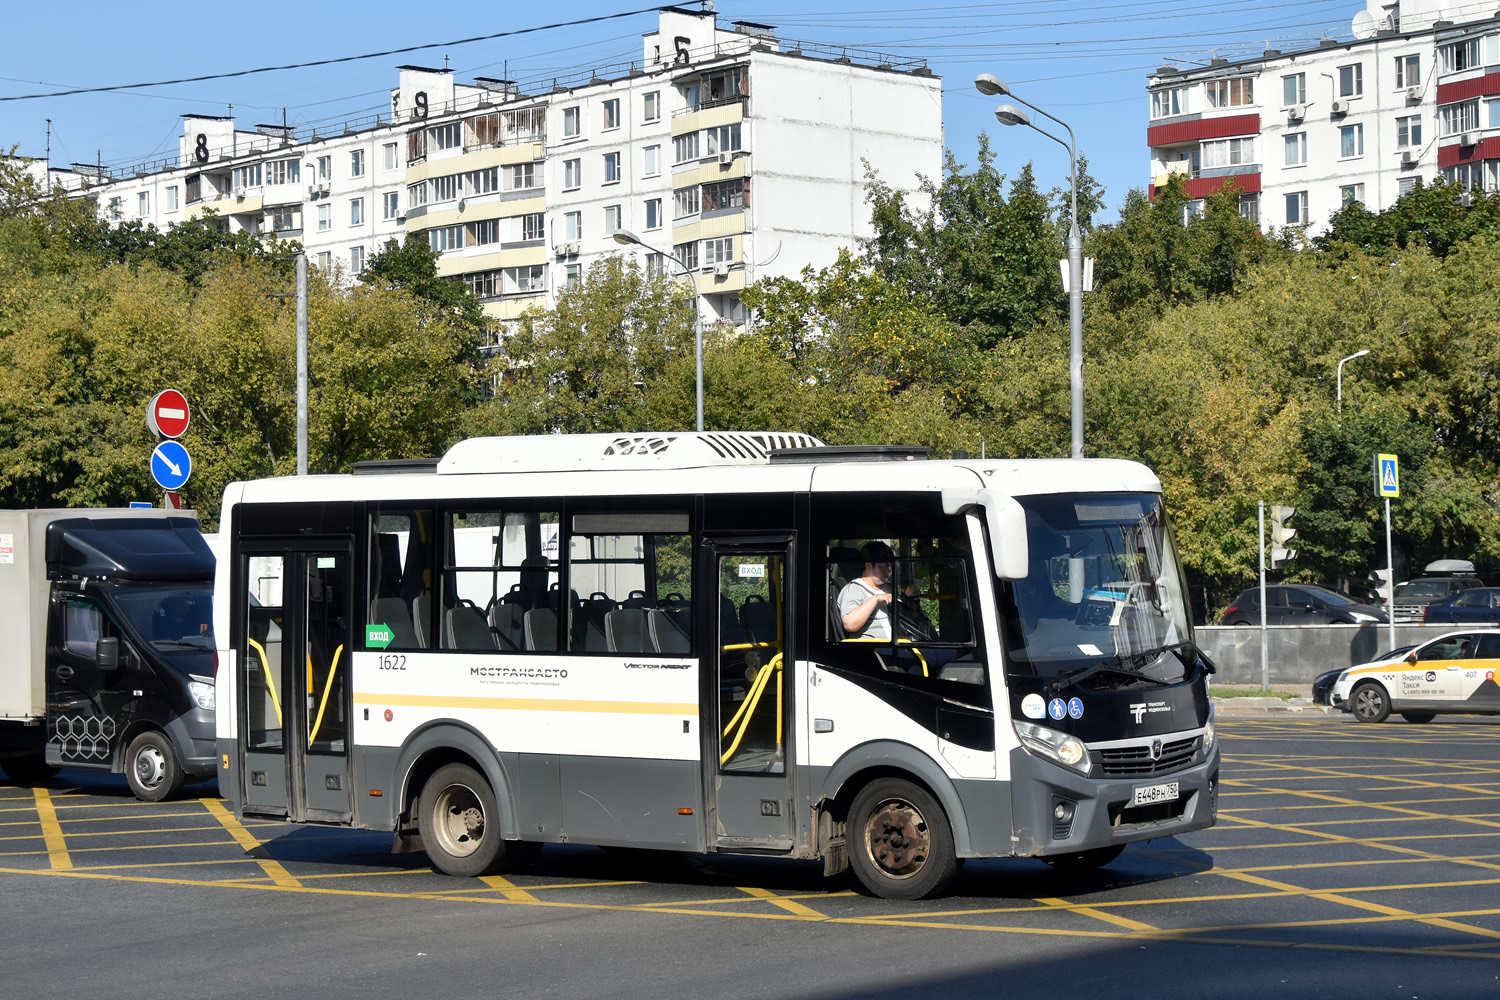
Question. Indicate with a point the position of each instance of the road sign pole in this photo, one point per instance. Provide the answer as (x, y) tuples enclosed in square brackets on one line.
[(302, 363), (1390, 569), (1265, 661)]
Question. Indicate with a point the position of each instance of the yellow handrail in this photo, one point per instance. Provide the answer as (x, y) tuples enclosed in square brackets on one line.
[(265, 669), (752, 700), (327, 687)]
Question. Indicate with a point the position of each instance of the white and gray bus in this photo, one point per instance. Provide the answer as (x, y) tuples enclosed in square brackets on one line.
[(639, 640)]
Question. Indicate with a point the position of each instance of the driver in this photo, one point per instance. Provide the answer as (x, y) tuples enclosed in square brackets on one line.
[(865, 603)]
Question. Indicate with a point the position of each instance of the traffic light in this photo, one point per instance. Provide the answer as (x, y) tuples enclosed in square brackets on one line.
[(1281, 534)]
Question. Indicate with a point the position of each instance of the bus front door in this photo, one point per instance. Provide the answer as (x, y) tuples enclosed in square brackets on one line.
[(747, 714), (295, 656)]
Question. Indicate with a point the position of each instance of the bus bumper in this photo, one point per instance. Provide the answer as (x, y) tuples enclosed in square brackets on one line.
[(1057, 811)]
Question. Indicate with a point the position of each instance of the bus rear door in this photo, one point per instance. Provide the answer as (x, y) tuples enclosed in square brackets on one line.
[(295, 660)]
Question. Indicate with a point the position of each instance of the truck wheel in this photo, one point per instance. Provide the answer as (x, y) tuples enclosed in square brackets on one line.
[(152, 767), (460, 823), (900, 843), (1418, 718), (1084, 861), (1369, 703), (28, 769)]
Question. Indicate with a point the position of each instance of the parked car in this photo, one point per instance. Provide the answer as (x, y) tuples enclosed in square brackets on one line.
[(1442, 579), (1453, 673), (1479, 604), (1300, 604), (1322, 685)]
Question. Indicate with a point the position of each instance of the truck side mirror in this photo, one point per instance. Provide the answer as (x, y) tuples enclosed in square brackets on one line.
[(107, 653)]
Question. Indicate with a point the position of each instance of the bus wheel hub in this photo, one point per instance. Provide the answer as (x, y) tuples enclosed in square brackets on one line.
[(898, 838)]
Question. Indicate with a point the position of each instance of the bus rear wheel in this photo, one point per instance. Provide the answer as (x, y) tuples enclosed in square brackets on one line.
[(460, 823), (900, 842)]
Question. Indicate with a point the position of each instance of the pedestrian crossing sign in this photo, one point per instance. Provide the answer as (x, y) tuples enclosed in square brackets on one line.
[(1387, 476)]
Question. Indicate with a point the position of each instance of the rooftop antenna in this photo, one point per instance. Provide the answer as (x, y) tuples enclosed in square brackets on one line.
[(48, 160), (1364, 25)]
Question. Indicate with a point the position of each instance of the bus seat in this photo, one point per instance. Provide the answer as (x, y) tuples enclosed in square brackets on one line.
[(758, 616), (625, 630), (421, 620), (508, 625), (392, 611), (667, 636), (729, 622), (464, 627), (533, 585), (636, 599), (588, 622), (541, 630)]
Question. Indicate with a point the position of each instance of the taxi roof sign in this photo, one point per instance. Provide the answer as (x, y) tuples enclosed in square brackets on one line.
[(1387, 476)]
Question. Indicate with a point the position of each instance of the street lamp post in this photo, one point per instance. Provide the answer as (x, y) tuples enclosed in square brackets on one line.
[(626, 238), (1356, 354), (1009, 114)]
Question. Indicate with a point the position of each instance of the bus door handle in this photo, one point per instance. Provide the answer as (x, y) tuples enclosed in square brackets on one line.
[(64, 672)]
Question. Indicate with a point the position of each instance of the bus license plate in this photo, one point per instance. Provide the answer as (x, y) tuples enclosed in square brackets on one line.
[(1147, 795)]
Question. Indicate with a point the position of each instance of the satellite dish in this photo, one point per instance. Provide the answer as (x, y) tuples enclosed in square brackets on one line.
[(1363, 25)]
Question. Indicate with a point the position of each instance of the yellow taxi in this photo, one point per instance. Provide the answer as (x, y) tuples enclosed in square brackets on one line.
[(1454, 672)]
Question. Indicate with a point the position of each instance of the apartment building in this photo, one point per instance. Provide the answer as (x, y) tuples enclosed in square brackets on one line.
[(738, 153), (1301, 133)]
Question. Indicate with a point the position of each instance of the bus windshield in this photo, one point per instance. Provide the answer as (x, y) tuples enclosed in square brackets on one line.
[(1105, 593)]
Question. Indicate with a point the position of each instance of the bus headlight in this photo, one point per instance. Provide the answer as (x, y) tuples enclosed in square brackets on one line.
[(202, 691), (1066, 750)]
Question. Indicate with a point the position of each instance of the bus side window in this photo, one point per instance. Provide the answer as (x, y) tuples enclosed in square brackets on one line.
[(400, 584), (631, 580)]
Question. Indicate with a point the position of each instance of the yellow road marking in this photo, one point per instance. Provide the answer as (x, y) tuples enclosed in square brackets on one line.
[(1099, 914), (273, 869), (508, 889), (46, 812), (789, 905), (75, 835), (1364, 904)]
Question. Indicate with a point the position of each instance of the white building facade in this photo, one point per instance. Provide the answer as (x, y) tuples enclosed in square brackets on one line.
[(741, 154), (1300, 134)]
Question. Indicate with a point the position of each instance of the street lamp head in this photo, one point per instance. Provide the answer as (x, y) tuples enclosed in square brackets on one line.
[(1009, 114), (990, 85), (1358, 354), (625, 237)]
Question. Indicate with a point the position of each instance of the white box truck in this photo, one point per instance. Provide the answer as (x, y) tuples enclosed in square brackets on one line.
[(109, 664)]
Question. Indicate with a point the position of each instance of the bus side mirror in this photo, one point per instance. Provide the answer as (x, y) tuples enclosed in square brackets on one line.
[(1006, 520), (107, 653)]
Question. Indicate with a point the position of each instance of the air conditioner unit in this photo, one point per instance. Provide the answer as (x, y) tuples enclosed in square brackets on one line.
[(1469, 139), (1296, 112), (1408, 157), (726, 158), (1413, 93), (721, 269), (239, 190), (323, 188), (567, 249), (1339, 108), (312, 190)]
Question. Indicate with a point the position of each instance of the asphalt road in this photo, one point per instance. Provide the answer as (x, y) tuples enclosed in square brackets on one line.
[(1349, 861)]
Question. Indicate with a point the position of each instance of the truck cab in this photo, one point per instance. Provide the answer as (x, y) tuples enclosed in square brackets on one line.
[(116, 611)]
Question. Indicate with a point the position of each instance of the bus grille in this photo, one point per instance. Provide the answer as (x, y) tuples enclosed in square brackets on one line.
[(1135, 761)]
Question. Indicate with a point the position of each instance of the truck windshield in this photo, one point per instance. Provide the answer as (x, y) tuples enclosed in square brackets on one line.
[(1105, 598), (170, 616)]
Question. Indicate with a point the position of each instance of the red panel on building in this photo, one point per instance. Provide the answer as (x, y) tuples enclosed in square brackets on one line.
[(1453, 155), (1202, 128), (1202, 187), (1464, 89)]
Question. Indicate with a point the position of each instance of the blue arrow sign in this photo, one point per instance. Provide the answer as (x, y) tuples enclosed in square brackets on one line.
[(170, 465)]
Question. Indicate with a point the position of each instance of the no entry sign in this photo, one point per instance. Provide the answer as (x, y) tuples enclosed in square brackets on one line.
[(168, 413)]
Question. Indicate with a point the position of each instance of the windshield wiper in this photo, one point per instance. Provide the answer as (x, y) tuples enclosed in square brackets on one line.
[(1117, 664)]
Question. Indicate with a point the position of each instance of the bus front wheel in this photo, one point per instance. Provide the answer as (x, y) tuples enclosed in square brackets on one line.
[(460, 822), (900, 843)]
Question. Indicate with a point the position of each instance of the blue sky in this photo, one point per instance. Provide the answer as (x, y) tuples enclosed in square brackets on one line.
[(1086, 61)]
